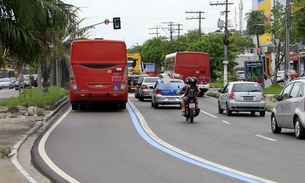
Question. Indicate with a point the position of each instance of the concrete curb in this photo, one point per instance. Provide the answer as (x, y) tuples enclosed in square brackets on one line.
[(33, 130)]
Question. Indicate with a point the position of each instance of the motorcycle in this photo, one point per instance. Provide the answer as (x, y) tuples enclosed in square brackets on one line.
[(192, 109)]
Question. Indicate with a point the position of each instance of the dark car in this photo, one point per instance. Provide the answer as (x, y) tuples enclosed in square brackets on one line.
[(26, 81)]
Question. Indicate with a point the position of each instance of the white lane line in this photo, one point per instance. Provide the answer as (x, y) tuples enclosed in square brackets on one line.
[(208, 114), (266, 138), (226, 122), (46, 158)]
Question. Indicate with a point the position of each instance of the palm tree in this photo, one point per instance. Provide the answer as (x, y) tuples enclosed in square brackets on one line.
[(256, 23), (29, 28)]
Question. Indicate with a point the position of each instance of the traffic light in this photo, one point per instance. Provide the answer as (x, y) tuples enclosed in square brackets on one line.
[(116, 23)]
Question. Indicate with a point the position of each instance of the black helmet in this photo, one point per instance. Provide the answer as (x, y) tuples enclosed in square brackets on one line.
[(194, 79), (188, 80)]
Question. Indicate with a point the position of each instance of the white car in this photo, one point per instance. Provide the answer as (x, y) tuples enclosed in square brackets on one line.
[(240, 75), (6, 83)]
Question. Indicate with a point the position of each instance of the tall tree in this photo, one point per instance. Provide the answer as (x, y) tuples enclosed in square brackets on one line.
[(278, 34), (256, 23)]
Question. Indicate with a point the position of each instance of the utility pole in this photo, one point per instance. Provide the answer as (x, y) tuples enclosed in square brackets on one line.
[(287, 45), (171, 29), (198, 18), (170, 24), (225, 41), (178, 29), (157, 31), (241, 26)]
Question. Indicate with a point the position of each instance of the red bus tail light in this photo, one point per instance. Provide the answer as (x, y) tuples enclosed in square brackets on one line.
[(124, 82), (73, 84)]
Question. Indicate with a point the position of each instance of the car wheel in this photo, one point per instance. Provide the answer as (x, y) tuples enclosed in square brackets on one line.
[(156, 106), (152, 104), (228, 111), (136, 95), (274, 127), (299, 130), (262, 113), (252, 112), (220, 110)]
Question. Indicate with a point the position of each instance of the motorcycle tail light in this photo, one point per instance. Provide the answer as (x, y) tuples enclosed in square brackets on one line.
[(192, 101)]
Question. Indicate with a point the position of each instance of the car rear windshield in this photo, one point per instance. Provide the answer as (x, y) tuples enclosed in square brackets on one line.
[(172, 84), (247, 87)]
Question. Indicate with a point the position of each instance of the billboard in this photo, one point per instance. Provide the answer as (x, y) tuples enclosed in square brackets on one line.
[(254, 71)]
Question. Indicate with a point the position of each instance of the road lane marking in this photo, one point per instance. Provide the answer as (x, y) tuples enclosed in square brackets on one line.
[(226, 122), (266, 138), (209, 114), (148, 135), (46, 158)]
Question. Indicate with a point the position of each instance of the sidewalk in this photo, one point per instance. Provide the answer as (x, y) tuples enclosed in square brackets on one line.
[(18, 132)]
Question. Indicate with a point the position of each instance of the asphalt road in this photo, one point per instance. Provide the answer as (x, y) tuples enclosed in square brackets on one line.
[(7, 93), (108, 145)]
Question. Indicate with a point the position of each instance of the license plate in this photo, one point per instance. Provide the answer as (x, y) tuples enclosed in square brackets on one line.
[(192, 105), (248, 97)]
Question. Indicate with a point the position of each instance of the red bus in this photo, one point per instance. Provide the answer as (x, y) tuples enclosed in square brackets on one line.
[(190, 64), (98, 73)]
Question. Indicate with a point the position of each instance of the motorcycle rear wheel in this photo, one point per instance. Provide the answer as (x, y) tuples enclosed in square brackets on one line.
[(191, 116)]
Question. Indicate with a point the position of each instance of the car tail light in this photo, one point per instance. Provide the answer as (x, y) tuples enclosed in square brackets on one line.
[(144, 87), (263, 96), (231, 95), (158, 91)]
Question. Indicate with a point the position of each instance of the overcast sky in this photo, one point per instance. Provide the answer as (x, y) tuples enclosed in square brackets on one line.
[(138, 17)]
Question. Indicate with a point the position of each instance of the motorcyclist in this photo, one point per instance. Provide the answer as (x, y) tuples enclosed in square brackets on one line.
[(190, 84)]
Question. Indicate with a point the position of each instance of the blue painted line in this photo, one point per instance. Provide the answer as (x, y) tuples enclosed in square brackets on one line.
[(148, 139)]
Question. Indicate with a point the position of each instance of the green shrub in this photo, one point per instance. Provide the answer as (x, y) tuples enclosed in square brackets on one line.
[(33, 97)]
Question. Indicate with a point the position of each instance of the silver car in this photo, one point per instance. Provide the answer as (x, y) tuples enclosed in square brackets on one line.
[(289, 111), (167, 93), (240, 96), (137, 87), (6, 83), (146, 87), (240, 75)]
